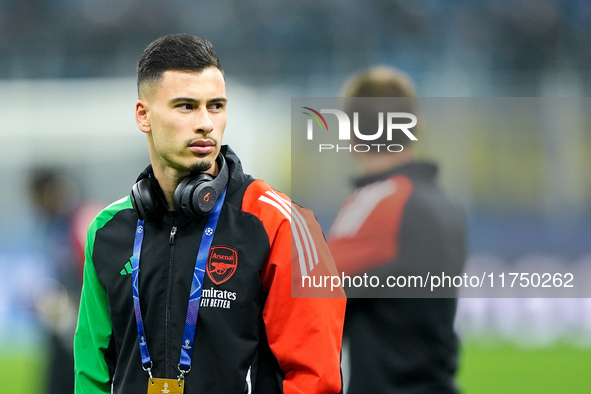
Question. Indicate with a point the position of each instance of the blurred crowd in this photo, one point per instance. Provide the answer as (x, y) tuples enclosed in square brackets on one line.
[(502, 48)]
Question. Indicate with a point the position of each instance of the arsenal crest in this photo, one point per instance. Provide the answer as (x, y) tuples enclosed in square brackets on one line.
[(221, 264)]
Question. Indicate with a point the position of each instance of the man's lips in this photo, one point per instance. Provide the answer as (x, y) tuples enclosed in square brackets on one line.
[(202, 147)]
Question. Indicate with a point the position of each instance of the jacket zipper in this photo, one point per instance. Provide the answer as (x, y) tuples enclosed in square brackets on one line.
[(169, 299)]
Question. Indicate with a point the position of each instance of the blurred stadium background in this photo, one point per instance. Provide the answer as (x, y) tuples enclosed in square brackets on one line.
[(67, 92)]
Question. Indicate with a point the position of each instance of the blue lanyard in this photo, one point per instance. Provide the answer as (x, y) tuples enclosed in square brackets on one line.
[(194, 297)]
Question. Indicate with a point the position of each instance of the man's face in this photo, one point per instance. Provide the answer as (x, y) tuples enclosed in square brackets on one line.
[(184, 116)]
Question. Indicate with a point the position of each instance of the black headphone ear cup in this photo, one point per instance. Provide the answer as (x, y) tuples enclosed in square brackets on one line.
[(178, 194), (190, 198), (143, 200), (203, 198), (196, 195)]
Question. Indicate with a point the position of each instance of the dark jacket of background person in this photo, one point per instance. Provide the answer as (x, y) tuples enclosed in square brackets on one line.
[(62, 219), (405, 345)]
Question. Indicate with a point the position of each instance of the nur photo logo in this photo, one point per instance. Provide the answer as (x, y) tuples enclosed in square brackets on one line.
[(389, 124)]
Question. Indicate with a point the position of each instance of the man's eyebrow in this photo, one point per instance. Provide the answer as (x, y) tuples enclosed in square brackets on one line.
[(177, 100), (218, 100)]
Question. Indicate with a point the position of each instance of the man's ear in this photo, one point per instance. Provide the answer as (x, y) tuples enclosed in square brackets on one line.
[(141, 116)]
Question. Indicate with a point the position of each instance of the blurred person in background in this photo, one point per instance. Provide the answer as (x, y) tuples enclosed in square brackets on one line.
[(206, 250), (62, 222), (398, 221)]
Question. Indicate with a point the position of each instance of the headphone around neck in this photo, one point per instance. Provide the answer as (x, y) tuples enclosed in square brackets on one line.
[(195, 195)]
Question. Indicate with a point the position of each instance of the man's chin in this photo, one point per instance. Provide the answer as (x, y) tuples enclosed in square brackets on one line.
[(201, 166)]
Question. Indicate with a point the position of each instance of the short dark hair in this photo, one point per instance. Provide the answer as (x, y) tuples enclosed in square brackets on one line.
[(180, 52)]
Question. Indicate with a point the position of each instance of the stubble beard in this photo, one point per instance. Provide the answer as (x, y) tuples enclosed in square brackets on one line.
[(200, 166)]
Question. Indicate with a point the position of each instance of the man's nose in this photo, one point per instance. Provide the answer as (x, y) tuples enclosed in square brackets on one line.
[(203, 122)]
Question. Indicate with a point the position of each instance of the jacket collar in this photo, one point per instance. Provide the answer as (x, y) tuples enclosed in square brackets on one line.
[(415, 170)]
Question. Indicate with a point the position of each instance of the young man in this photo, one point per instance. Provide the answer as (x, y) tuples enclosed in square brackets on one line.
[(405, 225), (187, 280)]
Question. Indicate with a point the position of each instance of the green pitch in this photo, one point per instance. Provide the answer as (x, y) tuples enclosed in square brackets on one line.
[(508, 369), (21, 371)]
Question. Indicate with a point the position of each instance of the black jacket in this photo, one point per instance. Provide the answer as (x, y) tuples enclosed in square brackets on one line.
[(403, 225), (246, 340)]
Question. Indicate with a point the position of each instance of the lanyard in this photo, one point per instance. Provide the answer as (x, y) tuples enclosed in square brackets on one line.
[(194, 297)]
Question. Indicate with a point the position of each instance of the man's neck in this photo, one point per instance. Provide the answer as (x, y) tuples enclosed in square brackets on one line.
[(380, 162)]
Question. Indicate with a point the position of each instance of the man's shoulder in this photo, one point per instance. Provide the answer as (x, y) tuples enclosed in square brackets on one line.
[(263, 201), (106, 214)]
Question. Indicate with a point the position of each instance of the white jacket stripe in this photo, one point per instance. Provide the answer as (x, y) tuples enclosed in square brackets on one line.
[(303, 226), (298, 243)]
